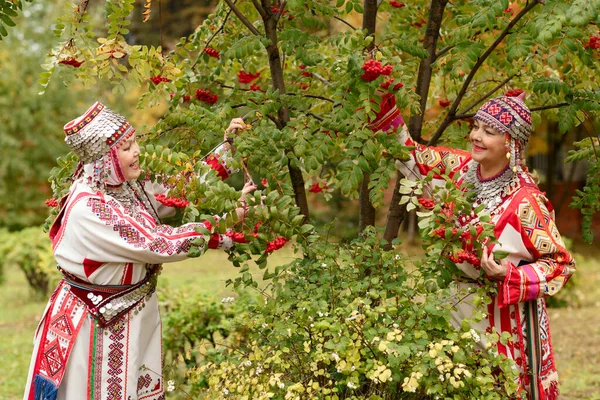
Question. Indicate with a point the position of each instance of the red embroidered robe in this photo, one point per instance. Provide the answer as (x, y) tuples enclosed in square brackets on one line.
[(539, 266)]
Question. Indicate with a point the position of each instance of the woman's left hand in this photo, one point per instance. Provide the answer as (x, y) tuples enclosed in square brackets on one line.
[(491, 267), (234, 125), (242, 211)]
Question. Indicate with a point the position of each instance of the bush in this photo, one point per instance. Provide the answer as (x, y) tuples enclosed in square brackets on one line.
[(355, 322), (31, 251), (194, 326)]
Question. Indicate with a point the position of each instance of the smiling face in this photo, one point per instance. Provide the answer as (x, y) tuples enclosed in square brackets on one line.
[(129, 152), (489, 148)]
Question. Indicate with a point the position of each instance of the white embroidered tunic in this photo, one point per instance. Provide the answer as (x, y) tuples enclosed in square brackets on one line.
[(97, 241)]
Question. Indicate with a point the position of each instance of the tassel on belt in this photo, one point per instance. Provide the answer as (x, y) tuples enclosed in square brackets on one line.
[(106, 303)]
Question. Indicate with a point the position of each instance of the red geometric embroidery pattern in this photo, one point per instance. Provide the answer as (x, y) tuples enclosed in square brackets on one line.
[(506, 118), (494, 109), (129, 233), (53, 359), (116, 361), (143, 382), (61, 325)]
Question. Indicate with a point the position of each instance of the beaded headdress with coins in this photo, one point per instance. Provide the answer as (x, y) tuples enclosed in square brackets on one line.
[(509, 114), (95, 138), (93, 134)]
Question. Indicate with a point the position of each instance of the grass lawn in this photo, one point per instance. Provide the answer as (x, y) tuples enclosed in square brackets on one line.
[(575, 331)]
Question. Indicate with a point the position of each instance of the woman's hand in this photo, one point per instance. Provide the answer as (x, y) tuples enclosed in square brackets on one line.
[(234, 125), (242, 211), (491, 267)]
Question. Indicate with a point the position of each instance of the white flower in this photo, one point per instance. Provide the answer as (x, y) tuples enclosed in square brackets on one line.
[(335, 356), (397, 257), (320, 314), (170, 386), (442, 378), (248, 363), (281, 385), (324, 265), (227, 300), (258, 369), (351, 385), (225, 391)]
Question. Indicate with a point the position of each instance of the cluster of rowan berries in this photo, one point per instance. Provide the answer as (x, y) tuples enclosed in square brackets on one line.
[(171, 201), (255, 88), (205, 95), (51, 202), (373, 69), (186, 97), (276, 9), (158, 79), (276, 244), (246, 77), (427, 203), (396, 4), (212, 52), (317, 188), (71, 61), (593, 43), (463, 256), (441, 232), (237, 237), (444, 103)]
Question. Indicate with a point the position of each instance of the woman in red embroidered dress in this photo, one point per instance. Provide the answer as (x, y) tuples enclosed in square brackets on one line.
[(538, 264), (102, 323)]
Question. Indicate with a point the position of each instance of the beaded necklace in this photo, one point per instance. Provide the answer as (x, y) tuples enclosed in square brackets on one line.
[(491, 191)]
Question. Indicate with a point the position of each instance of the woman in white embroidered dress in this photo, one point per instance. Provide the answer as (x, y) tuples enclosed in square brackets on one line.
[(102, 323), (538, 264)]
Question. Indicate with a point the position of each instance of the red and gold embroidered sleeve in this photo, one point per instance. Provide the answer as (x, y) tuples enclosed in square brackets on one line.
[(443, 160), (219, 160), (553, 265), (106, 233)]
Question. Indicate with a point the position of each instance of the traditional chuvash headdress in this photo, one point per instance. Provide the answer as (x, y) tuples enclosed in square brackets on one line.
[(95, 138), (509, 115)]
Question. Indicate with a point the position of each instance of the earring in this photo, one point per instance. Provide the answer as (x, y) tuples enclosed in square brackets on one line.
[(507, 146)]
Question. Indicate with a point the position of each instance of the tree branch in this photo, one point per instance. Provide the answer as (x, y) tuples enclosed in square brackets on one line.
[(212, 37), (488, 94), (443, 51), (319, 77), (436, 12), (432, 35), (259, 8), (549, 107), (242, 18), (452, 111), (540, 108), (345, 22)]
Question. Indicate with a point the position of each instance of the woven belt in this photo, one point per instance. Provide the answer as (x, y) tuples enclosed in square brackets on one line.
[(106, 303)]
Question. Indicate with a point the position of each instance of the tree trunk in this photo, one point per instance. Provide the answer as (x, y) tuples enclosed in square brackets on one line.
[(367, 211), (415, 124), (283, 115)]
